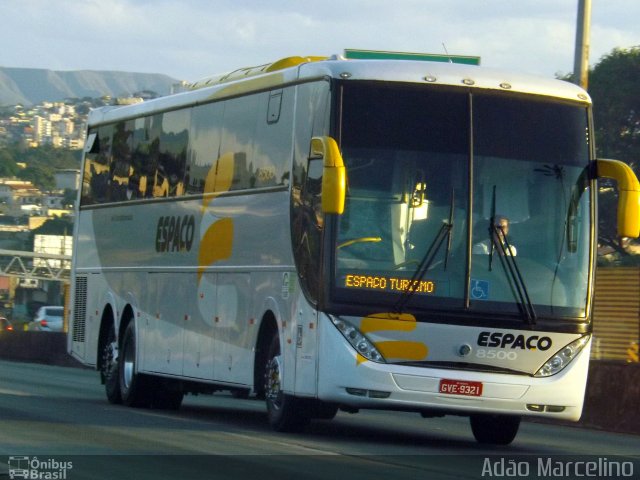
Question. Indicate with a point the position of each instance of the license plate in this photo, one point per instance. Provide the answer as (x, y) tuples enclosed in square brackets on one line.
[(459, 387)]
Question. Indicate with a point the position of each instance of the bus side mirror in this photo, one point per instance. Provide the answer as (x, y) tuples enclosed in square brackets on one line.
[(628, 195), (334, 176)]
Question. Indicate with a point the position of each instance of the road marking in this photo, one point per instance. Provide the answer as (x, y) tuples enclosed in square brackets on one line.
[(16, 393), (289, 445)]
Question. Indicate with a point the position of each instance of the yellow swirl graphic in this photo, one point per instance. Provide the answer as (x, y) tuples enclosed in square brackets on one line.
[(217, 242)]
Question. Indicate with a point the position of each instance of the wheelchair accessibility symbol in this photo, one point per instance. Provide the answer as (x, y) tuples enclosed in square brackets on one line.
[(479, 289)]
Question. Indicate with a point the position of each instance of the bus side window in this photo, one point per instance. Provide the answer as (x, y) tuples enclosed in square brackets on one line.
[(204, 145), (312, 120), (272, 147), (91, 148), (312, 192), (140, 158), (121, 161), (172, 153), (238, 136), (95, 185), (153, 128)]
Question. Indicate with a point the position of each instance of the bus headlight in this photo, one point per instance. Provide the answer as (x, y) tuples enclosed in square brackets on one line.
[(357, 340), (562, 358)]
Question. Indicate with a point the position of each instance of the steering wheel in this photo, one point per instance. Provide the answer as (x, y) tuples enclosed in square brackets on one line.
[(404, 264), (353, 241)]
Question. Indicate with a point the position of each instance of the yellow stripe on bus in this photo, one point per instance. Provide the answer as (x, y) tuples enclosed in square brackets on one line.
[(403, 350), (376, 322)]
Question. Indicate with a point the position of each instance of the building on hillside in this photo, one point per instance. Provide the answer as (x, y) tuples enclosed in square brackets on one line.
[(67, 179), (16, 196)]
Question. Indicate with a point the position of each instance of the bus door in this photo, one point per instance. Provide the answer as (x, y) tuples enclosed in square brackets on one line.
[(306, 343)]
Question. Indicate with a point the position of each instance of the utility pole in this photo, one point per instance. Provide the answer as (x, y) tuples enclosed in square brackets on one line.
[(581, 59)]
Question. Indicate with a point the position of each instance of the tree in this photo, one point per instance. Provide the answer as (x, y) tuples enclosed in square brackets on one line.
[(40, 176), (613, 86), (53, 226), (41, 163), (8, 166)]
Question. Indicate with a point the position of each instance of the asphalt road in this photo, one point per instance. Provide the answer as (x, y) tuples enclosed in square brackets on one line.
[(60, 417)]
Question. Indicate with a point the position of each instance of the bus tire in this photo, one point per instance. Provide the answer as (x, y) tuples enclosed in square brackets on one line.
[(133, 386), (494, 429), (323, 410), (109, 368), (286, 413), (166, 395)]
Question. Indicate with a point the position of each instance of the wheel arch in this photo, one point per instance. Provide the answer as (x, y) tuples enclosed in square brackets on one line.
[(108, 319), (126, 317)]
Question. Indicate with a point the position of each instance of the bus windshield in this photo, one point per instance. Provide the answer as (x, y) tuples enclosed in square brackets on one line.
[(459, 200)]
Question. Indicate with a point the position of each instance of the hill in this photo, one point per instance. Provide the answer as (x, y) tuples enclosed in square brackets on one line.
[(31, 86)]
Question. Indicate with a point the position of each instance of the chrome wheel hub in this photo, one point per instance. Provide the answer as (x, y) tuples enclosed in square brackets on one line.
[(272, 389), (128, 364), (109, 358)]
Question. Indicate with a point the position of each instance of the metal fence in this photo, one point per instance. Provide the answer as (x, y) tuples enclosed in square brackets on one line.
[(616, 314)]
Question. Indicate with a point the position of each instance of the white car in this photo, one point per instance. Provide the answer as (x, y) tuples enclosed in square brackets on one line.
[(48, 319)]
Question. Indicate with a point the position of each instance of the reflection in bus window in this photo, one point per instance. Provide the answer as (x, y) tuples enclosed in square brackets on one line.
[(238, 136), (529, 181), (312, 117), (404, 187), (95, 184), (204, 145), (121, 162), (273, 139), (154, 188), (172, 153)]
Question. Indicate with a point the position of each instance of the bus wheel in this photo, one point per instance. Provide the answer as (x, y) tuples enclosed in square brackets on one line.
[(133, 388), (286, 413), (109, 368), (165, 395), (323, 410), (494, 429)]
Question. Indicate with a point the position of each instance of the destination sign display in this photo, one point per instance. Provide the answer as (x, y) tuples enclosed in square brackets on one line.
[(388, 283)]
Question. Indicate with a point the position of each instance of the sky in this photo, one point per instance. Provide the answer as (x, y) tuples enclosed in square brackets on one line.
[(194, 39)]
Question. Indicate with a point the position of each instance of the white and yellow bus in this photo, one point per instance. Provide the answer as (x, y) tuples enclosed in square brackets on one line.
[(333, 234)]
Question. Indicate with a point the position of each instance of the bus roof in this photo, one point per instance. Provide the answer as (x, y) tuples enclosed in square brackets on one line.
[(294, 69)]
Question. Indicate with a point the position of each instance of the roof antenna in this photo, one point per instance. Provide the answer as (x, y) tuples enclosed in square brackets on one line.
[(445, 51)]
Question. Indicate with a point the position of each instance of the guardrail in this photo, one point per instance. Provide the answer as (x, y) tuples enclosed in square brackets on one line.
[(39, 266)]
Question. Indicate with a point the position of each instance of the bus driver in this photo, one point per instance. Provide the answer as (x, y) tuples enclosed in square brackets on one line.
[(500, 232)]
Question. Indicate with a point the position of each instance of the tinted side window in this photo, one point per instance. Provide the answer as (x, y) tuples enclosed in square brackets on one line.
[(142, 169), (238, 134), (236, 144), (312, 119), (172, 153), (96, 180), (120, 162), (204, 145), (273, 139)]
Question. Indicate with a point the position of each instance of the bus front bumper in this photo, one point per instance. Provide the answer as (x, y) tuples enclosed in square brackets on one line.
[(354, 384)]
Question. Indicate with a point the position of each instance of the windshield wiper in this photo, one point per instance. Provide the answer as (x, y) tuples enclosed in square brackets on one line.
[(510, 266), (427, 260), (449, 236), (500, 241)]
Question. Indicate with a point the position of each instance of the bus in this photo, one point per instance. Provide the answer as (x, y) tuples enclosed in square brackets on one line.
[(336, 234)]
